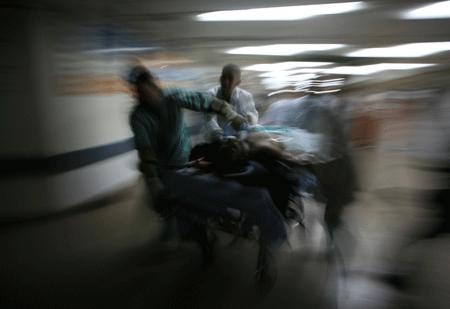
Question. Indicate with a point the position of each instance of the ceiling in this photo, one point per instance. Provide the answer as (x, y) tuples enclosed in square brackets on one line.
[(170, 25)]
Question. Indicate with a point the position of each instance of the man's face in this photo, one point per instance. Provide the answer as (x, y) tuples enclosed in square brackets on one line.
[(228, 82), (149, 93)]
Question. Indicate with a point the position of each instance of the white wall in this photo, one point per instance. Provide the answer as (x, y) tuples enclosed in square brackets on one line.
[(83, 121), (37, 121), (34, 196)]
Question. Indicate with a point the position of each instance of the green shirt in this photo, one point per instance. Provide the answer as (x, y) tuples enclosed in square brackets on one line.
[(164, 132)]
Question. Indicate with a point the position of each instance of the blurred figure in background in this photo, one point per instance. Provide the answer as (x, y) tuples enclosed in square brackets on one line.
[(438, 156), (241, 100), (322, 114), (426, 250)]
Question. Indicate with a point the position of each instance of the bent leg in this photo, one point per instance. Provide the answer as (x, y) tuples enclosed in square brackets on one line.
[(215, 195)]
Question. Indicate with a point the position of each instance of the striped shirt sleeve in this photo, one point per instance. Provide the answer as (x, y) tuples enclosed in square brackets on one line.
[(193, 100)]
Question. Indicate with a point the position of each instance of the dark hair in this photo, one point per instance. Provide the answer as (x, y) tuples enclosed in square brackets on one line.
[(139, 74), (207, 151), (227, 156), (231, 69), (232, 156)]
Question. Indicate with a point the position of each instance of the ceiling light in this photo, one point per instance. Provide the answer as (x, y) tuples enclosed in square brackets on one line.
[(403, 66), (375, 68), (404, 50), (282, 49), (282, 13), (286, 81), (326, 91), (282, 66), (291, 72), (435, 10), (292, 78), (347, 70), (327, 83), (284, 91), (354, 70)]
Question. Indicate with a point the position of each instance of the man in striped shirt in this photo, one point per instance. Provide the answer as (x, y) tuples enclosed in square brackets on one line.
[(157, 122)]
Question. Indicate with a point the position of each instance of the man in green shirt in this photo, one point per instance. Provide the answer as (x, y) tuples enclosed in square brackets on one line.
[(159, 129)]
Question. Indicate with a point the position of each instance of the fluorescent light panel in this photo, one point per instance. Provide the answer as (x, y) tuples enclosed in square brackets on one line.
[(375, 68), (283, 91), (403, 51), (291, 72), (282, 13), (294, 78), (348, 70), (327, 91), (286, 81), (281, 66), (282, 49), (302, 90), (301, 82), (431, 11)]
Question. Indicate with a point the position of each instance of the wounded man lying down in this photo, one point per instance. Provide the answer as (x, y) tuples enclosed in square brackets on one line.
[(226, 179), (259, 160), (251, 176), (198, 197)]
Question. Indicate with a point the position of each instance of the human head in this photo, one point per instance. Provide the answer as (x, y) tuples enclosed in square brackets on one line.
[(229, 79), (232, 156), (145, 85)]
